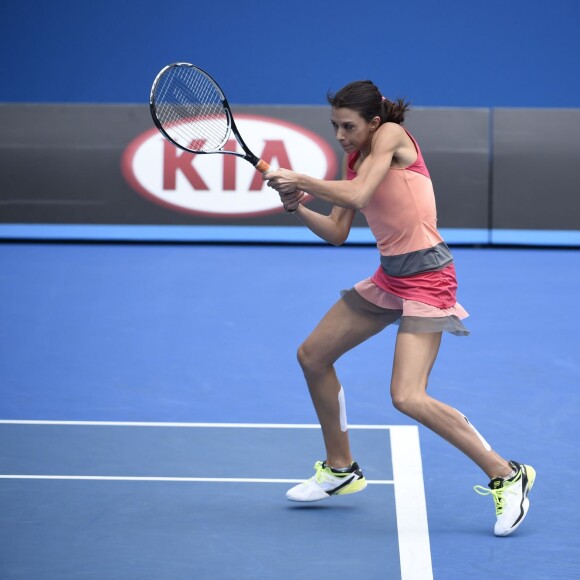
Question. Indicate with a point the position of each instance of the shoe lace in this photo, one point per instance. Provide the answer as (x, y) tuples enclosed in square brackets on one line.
[(320, 467), (497, 495)]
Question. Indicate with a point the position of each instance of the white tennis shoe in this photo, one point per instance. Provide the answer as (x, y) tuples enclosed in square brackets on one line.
[(328, 481), (510, 497)]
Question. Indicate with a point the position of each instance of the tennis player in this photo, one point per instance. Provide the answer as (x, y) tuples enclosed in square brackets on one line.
[(385, 178)]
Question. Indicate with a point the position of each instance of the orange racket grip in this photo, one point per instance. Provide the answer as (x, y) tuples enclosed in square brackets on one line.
[(262, 166)]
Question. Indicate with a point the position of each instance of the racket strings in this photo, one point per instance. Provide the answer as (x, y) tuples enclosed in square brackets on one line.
[(190, 109)]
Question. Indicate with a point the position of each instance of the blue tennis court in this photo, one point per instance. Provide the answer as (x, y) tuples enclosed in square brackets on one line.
[(152, 416)]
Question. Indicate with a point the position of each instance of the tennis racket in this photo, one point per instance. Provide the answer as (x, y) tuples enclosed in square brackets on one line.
[(192, 112)]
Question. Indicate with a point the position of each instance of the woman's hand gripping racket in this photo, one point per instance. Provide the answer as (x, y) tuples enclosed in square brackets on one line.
[(191, 111)]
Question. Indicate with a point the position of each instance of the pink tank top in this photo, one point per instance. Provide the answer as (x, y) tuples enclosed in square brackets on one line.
[(415, 261)]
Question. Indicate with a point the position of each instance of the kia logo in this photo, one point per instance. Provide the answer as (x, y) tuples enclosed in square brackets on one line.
[(224, 185)]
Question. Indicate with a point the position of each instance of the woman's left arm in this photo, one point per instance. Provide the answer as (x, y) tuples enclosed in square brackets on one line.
[(354, 193)]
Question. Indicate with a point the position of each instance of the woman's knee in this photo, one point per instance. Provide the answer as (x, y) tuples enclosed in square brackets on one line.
[(310, 358), (408, 403)]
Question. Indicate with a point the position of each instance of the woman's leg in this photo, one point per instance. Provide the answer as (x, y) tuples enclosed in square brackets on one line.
[(351, 321), (415, 355)]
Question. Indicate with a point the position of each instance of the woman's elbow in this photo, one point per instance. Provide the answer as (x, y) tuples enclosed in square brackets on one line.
[(361, 201), (338, 238)]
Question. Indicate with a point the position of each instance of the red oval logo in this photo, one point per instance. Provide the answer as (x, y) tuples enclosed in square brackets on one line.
[(223, 186)]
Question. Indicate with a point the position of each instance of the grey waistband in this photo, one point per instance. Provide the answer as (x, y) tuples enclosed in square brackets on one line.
[(427, 260)]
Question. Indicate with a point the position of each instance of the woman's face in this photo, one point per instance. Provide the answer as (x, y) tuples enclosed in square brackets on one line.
[(352, 131)]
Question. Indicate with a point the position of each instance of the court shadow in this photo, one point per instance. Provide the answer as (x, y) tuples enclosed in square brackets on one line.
[(320, 507)]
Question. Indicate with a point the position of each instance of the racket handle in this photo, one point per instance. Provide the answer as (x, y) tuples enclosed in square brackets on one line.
[(262, 166)]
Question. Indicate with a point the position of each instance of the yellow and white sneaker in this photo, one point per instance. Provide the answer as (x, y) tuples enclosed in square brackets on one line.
[(328, 481), (510, 497)]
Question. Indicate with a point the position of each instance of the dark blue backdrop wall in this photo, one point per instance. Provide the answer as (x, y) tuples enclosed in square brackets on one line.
[(519, 53)]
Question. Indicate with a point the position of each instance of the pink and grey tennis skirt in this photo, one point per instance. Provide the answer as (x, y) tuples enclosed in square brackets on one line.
[(411, 316)]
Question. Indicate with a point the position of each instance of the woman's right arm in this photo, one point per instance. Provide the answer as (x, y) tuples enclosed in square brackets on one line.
[(333, 228)]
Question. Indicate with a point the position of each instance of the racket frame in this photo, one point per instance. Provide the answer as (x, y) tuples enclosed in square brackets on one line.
[(258, 163)]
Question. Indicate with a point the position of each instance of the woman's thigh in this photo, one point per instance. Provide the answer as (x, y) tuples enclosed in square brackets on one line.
[(351, 321), (415, 355)]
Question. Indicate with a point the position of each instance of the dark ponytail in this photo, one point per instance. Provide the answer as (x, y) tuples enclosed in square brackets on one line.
[(365, 98), (394, 112)]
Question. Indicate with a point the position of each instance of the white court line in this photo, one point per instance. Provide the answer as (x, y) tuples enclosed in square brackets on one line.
[(413, 530), (410, 504), (185, 479), (203, 425)]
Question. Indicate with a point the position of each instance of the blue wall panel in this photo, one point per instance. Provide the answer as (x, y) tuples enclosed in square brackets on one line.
[(448, 53)]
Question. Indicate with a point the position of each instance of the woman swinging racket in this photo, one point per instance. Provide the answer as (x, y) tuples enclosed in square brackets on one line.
[(385, 177)]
